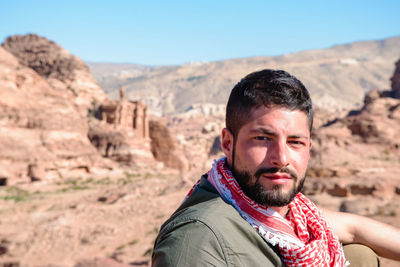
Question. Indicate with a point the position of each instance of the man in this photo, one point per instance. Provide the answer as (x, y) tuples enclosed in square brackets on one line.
[(248, 209)]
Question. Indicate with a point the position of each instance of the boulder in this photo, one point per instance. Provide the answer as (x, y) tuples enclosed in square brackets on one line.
[(164, 147)]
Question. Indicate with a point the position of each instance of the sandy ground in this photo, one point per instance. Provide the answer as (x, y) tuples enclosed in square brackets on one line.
[(64, 222)]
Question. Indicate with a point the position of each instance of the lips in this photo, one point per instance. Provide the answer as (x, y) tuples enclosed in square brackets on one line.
[(278, 178)]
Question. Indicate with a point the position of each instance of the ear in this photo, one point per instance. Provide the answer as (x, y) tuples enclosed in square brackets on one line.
[(227, 144)]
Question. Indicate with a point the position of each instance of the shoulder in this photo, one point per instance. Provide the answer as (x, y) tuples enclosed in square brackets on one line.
[(190, 243), (203, 209), (193, 235), (207, 231), (204, 205)]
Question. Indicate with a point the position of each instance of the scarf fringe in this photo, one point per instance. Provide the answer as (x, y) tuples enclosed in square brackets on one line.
[(275, 239)]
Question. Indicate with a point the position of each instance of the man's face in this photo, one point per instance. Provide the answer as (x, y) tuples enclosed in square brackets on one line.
[(270, 154)]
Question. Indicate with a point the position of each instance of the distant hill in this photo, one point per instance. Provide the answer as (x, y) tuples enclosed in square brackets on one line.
[(337, 77)]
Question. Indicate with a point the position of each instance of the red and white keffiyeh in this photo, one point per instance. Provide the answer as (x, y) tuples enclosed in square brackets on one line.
[(304, 238)]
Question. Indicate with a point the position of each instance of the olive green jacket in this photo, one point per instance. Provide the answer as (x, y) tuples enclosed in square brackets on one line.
[(206, 231)]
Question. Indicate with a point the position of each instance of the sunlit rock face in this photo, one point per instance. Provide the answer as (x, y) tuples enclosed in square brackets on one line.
[(65, 72), (41, 126)]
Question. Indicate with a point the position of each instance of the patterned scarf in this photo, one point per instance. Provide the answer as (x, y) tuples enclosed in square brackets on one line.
[(304, 238)]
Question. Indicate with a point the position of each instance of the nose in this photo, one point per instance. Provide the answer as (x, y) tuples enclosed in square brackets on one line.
[(278, 154)]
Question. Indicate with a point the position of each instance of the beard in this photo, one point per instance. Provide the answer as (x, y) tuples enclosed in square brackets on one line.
[(274, 196)]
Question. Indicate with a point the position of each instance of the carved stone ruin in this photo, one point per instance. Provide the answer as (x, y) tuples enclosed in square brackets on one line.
[(124, 113)]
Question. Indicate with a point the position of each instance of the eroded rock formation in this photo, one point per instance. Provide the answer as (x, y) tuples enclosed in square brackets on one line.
[(396, 81), (45, 57), (48, 103), (65, 72), (132, 114), (164, 147), (120, 143), (359, 154), (40, 127)]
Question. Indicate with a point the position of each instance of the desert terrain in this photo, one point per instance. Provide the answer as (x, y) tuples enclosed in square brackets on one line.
[(89, 171)]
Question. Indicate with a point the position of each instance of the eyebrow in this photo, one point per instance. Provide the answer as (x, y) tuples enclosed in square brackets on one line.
[(272, 133)]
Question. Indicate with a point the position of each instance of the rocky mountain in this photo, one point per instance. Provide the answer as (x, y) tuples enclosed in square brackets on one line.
[(41, 126), (49, 129), (66, 73), (337, 77)]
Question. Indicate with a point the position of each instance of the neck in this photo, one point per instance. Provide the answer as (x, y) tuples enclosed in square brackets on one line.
[(281, 210)]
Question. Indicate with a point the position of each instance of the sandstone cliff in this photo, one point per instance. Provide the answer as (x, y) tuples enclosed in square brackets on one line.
[(56, 120), (43, 134), (65, 72)]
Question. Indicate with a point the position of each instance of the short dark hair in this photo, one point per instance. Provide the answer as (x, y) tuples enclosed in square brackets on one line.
[(268, 88)]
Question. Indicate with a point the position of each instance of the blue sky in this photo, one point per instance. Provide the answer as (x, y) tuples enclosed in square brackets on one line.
[(177, 32)]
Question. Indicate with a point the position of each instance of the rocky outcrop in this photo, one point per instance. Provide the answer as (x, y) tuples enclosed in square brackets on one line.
[(120, 143), (396, 81), (42, 133), (63, 71), (44, 100), (164, 147), (358, 155), (48, 105), (377, 122), (131, 114), (45, 57), (121, 132), (360, 139), (106, 139)]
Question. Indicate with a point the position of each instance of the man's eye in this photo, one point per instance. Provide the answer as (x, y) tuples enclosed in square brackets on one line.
[(295, 142), (262, 138)]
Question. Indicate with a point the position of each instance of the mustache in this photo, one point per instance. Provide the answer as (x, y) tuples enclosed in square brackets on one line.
[(262, 171)]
